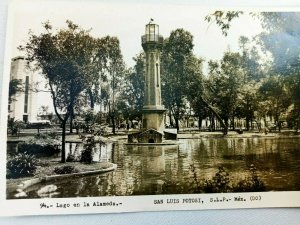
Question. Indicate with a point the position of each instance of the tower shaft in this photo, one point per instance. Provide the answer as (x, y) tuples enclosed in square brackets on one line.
[(153, 110)]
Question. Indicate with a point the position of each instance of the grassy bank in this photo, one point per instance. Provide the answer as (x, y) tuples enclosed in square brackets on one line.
[(47, 167)]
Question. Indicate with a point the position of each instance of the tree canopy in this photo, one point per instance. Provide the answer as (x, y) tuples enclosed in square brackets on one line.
[(69, 61), (260, 80), (176, 58), (281, 40)]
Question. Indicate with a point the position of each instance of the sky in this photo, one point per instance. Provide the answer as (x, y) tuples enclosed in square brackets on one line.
[(127, 21)]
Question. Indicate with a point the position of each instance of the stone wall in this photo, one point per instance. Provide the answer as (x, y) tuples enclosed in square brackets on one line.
[(148, 136)]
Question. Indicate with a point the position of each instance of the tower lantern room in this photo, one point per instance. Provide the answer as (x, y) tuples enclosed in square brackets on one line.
[(152, 36)]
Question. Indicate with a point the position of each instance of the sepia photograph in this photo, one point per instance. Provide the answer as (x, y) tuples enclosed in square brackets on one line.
[(109, 99)]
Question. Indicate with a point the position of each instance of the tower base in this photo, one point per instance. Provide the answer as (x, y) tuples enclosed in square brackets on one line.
[(153, 131), (152, 136), (154, 119), (146, 136)]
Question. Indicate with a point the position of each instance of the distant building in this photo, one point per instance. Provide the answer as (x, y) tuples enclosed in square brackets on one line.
[(24, 107)]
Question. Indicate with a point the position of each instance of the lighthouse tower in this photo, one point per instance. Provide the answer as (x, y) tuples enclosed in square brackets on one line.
[(153, 126), (153, 110)]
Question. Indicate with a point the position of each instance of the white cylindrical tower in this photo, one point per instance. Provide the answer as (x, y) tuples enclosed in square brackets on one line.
[(24, 107)]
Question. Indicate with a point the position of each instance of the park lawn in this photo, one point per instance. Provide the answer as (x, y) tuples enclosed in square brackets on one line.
[(46, 168)]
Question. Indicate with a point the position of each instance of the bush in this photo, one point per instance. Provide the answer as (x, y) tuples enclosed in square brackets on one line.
[(22, 165), (176, 187), (65, 170), (71, 158), (220, 183), (40, 144), (53, 135), (86, 156), (45, 138), (88, 147), (38, 149), (293, 119), (15, 126), (193, 184), (250, 184)]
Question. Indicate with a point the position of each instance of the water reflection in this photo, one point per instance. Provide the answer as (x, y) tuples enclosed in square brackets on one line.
[(143, 169), (101, 153)]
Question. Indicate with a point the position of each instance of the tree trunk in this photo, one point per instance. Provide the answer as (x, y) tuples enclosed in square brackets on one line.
[(170, 118), (63, 123), (200, 122), (215, 113), (247, 123), (113, 123), (213, 123), (177, 123), (226, 127), (258, 125), (71, 124), (233, 125), (63, 142), (91, 99)]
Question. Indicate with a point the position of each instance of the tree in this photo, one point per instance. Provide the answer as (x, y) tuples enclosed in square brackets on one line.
[(196, 88), (248, 102), (65, 59), (276, 97), (116, 68), (225, 78), (177, 50), (132, 96), (281, 39), (112, 73), (182, 79), (100, 56), (254, 71), (107, 54), (223, 19), (15, 86), (15, 126)]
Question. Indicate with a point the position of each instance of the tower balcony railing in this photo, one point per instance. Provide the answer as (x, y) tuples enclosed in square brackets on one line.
[(152, 38)]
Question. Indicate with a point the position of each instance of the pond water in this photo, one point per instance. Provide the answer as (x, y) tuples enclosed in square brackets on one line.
[(143, 170)]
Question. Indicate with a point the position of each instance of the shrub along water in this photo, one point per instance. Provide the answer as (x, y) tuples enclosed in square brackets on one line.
[(89, 145), (219, 183), (22, 165), (41, 144), (250, 184), (65, 170)]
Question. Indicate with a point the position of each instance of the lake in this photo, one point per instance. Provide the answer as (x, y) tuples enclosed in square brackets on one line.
[(144, 170)]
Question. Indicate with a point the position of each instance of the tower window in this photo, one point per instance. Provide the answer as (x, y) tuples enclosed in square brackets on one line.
[(157, 81), (26, 94)]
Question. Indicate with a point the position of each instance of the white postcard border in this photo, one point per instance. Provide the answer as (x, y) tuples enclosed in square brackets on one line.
[(92, 205), (117, 204)]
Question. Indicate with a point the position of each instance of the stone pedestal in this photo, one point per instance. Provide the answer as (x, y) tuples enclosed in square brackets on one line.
[(146, 136), (154, 119)]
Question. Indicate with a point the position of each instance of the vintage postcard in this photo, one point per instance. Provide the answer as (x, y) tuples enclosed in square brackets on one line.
[(122, 107)]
